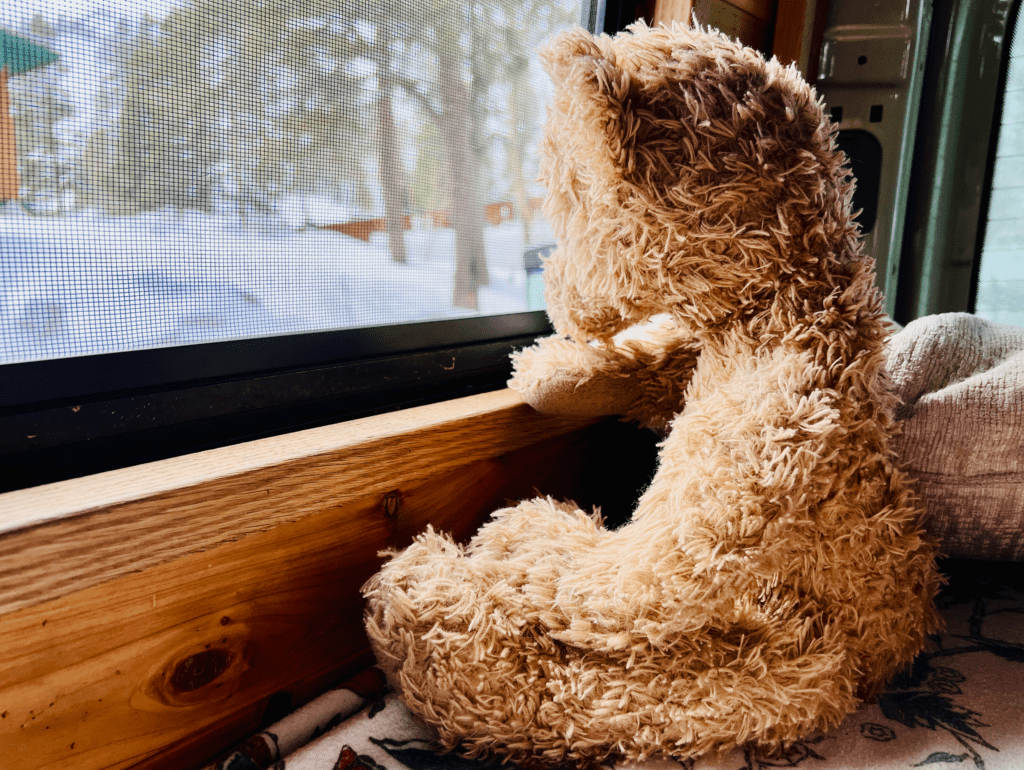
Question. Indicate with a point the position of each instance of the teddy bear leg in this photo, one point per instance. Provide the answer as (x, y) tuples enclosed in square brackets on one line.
[(463, 633), (535, 643)]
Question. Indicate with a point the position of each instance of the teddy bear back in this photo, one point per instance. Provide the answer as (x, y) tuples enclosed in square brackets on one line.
[(688, 175)]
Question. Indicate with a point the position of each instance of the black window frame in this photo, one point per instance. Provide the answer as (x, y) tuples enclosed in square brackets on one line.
[(70, 417), (122, 409)]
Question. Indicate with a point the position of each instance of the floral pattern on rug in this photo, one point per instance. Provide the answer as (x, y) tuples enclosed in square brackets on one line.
[(957, 707)]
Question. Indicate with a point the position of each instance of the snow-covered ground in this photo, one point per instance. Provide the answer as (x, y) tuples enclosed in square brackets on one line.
[(88, 283)]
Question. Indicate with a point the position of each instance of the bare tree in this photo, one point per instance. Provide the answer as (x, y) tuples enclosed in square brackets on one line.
[(389, 167)]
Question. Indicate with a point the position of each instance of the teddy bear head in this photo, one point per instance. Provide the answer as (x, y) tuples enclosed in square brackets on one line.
[(686, 175)]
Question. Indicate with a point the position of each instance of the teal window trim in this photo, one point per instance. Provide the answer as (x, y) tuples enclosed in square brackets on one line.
[(953, 158)]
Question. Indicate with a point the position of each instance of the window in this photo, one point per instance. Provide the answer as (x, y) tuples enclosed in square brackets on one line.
[(219, 211), (953, 158), (1000, 286), (228, 169)]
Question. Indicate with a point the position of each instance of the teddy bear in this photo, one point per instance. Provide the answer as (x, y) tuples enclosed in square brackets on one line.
[(709, 282)]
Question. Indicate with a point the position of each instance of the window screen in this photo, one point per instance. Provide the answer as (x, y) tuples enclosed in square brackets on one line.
[(1000, 291), (181, 172)]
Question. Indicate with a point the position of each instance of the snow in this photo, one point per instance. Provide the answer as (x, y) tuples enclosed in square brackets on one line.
[(88, 283)]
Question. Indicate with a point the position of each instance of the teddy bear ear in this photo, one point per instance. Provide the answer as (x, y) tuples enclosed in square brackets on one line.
[(564, 52), (584, 69)]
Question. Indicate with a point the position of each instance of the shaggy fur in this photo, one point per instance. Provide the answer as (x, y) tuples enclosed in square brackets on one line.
[(774, 573)]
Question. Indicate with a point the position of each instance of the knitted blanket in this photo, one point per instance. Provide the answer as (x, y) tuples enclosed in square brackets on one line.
[(961, 380)]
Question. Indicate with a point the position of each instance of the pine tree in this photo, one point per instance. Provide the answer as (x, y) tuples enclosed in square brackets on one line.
[(427, 194), (437, 39), (103, 167), (270, 102), (144, 143), (389, 167), (189, 116), (531, 20), (254, 100), (323, 133)]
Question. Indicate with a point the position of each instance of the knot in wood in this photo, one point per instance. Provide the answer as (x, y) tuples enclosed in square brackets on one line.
[(200, 670), (392, 502)]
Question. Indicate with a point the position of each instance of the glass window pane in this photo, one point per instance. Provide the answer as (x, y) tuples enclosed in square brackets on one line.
[(1001, 278), (183, 172)]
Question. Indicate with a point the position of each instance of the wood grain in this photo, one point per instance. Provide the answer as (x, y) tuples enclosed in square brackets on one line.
[(747, 21), (666, 11), (62, 538), (790, 23), (167, 666), (799, 26)]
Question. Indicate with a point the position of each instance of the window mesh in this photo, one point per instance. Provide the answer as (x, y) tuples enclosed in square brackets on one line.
[(1000, 296), (182, 172)]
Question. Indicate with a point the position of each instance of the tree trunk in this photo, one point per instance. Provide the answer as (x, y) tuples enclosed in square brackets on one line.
[(517, 159), (463, 171), (242, 84), (390, 172)]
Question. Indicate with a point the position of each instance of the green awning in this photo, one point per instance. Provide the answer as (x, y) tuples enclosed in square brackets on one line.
[(21, 55)]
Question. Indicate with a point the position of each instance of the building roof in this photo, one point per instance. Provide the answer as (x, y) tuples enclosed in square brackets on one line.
[(21, 55)]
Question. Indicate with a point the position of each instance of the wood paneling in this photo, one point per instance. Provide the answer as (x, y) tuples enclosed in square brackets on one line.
[(789, 31), (133, 660), (799, 27), (8, 146)]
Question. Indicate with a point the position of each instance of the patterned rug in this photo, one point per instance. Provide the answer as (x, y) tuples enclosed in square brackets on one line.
[(959, 706)]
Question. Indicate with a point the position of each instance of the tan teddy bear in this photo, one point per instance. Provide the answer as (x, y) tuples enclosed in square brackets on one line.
[(773, 574)]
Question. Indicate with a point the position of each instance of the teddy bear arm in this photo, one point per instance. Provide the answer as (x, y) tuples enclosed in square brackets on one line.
[(661, 380), (643, 379), (560, 377)]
